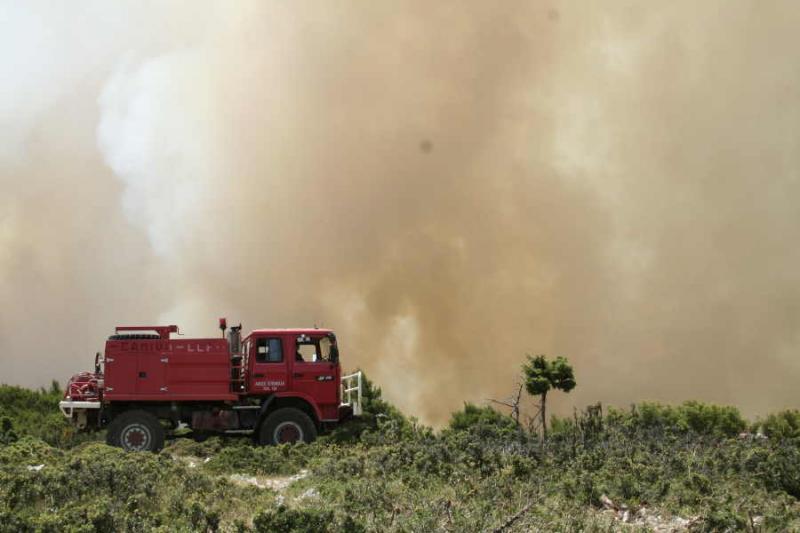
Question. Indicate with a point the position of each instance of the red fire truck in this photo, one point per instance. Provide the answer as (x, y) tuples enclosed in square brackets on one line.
[(281, 385)]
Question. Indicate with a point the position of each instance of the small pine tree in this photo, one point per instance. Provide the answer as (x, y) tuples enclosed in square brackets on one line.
[(542, 375)]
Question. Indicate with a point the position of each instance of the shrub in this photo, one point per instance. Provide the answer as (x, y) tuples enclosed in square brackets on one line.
[(697, 417), (36, 413), (262, 460), (781, 425), (485, 422), (305, 520), (707, 419)]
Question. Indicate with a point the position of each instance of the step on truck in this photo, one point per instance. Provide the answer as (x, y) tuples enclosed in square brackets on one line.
[(280, 385)]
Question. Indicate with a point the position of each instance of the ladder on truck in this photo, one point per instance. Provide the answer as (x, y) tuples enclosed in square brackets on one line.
[(238, 371), (351, 392)]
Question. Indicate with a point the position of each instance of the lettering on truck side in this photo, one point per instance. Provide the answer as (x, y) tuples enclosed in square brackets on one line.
[(198, 348), (128, 346), (270, 385)]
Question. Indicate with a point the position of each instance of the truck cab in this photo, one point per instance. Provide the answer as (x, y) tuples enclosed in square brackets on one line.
[(296, 362), (279, 385)]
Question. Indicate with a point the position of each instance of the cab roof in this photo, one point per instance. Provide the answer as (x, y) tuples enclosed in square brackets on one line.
[(291, 331)]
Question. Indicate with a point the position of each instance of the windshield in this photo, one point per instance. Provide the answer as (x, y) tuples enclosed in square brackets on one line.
[(310, 350)]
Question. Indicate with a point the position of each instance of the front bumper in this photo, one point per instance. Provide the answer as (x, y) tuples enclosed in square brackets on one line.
[(69, 407)]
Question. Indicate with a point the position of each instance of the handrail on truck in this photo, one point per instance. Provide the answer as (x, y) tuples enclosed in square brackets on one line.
[(351, 392)]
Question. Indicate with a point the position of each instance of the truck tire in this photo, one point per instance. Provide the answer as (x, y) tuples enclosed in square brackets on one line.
[(287, 425), (136, 431)]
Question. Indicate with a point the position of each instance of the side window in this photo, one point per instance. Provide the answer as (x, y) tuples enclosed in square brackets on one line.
[(268, 350)]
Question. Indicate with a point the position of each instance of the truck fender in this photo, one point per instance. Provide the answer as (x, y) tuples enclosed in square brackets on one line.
[(265, 406), (305, 397), (290, 395)]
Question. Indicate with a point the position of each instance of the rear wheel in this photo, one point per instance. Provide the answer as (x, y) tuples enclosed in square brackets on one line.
[(287, 426), (136, 431)]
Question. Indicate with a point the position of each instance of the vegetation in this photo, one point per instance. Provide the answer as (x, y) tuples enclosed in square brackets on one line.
[(483, 422), (542, 375), (36, 414), (781, 425), (693, 466), (689, 417)]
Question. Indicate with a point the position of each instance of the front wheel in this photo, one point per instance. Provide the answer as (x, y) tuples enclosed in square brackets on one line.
[(136, 431), (287, 426)]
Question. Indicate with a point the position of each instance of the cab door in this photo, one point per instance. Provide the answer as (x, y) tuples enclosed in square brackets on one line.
[(269, 369), (313, 372)]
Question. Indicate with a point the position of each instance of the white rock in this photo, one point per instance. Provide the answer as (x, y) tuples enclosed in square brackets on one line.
[(310, 493)]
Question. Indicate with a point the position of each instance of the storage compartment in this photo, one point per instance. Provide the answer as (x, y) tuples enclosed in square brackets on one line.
[(165, 370), (199, 367)]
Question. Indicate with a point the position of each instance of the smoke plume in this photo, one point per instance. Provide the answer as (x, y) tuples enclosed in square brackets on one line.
[(449, 186)]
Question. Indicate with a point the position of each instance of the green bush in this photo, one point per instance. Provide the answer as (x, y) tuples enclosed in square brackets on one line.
[(483, 421), (706, 419), (691, 416), (262, 460), (781, 425), (36, 413), (286, 520)]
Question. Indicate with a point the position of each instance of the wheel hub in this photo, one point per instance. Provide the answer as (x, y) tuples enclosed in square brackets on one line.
[(288, 433), (136, 437)]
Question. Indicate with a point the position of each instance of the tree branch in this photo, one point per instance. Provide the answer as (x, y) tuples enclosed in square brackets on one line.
[(513, 518)]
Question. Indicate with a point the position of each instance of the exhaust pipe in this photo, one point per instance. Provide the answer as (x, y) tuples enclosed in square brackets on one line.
[(235, 339)]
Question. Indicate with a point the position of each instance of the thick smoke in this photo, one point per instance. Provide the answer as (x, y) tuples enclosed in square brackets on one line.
[(449, 187)]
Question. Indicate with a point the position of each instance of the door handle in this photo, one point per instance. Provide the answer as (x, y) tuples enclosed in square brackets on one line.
[(258, 375), (142, 374), (297, 375)]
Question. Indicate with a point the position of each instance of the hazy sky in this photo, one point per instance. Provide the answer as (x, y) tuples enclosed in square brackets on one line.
[(448, 185)]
